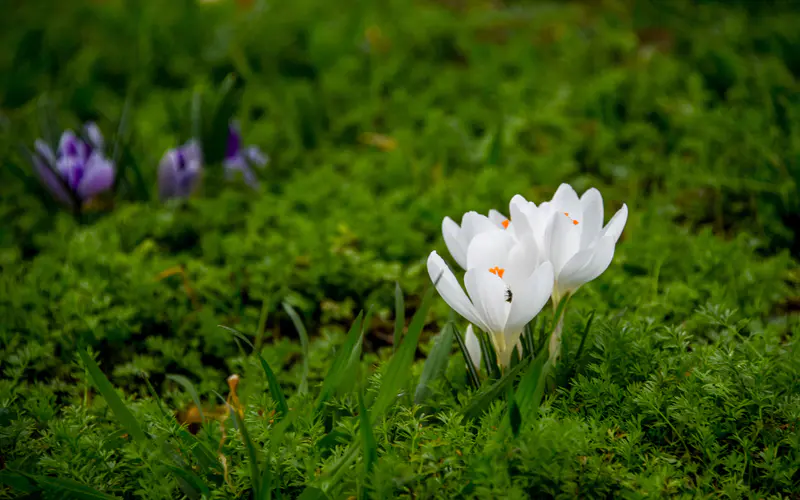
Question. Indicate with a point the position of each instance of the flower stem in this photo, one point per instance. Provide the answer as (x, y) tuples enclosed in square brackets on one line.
[(555, 340)]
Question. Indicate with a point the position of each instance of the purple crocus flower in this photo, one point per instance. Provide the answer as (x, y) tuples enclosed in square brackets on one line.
[(241, 159), (78, 170), (179, 171)]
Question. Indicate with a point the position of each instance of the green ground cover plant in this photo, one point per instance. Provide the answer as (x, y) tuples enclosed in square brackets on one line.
[(285, 340)]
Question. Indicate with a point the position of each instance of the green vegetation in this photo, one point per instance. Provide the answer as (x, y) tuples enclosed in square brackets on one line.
[(380, 119)]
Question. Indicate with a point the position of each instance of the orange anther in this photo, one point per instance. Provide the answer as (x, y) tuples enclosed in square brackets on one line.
[(505, 224), (566, 213), (498, 271), (574, 222)]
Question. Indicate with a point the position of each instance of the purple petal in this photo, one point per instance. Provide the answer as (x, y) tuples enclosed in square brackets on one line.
[(71, 146), (51, 180), (234, 140), (45, 152), (255, 156), (178, 173), (94, 135), (71, 169), (98, 177)]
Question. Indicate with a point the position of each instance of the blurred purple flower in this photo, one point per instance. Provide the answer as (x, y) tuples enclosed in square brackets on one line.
[(78, 170), (179, 171), (241, 159)]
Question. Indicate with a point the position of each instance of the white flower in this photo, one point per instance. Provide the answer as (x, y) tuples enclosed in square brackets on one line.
[(457, 238), (568, 231), (473, 346), (506, 287)]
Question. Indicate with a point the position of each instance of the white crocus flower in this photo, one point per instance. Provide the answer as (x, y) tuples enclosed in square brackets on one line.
[(568, 231), (473, 345), (506, 288), (457, 238)]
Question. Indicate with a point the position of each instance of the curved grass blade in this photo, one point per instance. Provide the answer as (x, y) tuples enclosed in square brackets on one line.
[(367, 437), (482, 402), (348, 355), (113, 400), (436, 363), (399, 316), (583, 337), (472, 373), (272, 380), (67, 488), (301, 330), (398, 371), (187, 384)]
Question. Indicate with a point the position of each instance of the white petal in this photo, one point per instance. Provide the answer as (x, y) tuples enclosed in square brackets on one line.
[(565, 241), (473, 346), (566, 200), (451, 232), (488, 294), (519, 201), (616, 224), (489, 250), (473, 224), (497, 218), (527, 301), (451, 291), (602, 254), (591, 218), (523, 259)]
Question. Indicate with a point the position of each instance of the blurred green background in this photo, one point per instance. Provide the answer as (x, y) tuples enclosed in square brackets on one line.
[(380, 119)]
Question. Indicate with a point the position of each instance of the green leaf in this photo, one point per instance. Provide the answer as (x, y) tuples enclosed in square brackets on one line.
[(190, 478), (272, 380), (301, 330), (67, 488), (399, 316), (121, 412), (584, 335), (187, 384), (531, 386), (482, 402), (16, 481), (399, 369), (436, 363), (472, 373), (346, 358), (312, 493), (367, 438)]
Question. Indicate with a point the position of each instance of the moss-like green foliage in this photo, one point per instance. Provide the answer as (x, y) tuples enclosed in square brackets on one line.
[(380, 119)]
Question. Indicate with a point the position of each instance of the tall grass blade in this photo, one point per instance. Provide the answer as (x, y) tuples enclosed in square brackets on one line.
[(367, 437), (343, 363), (187, 384), (472, 373), (436, 364), (482, 402), (301, 330), (399, 316), (272, 380), (121, 412)]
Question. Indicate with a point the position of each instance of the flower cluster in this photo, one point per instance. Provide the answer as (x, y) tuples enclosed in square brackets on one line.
[(78, 170), (180, 169), (515, 264)]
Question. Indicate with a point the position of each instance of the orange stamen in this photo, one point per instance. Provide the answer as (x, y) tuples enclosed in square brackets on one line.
[(574, 222), (566, 213), (498, 271), (505, 224)]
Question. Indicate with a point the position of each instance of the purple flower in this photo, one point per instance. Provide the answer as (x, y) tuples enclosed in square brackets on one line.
[(78, 170), (179, 171), (239, 159)]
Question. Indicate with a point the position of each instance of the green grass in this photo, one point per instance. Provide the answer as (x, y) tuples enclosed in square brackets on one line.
[(686, 384)]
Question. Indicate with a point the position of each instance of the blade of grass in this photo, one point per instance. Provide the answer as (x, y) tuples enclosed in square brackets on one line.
[(584, 335), (67, 487), (272, 380), (482, 402), (367, 438), (399, 316), (301, 330), (436, 363), (348, 355), (121, 412), (187, 384), (472, 373), (398, 371), (531, 386)]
